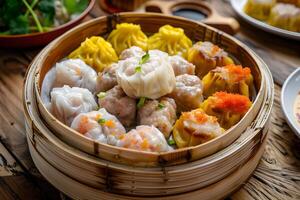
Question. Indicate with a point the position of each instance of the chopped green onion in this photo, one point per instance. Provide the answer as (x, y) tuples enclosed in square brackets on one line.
[(101, 121), (101, 95), (138, 69), (141, 102), (144, 59), (171, 142), (160, 106)]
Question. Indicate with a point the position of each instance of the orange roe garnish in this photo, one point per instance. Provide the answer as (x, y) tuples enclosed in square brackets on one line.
[(197, 115), (110, 123), (145, 144), (215, 50), (238, 72), (82, 124), (232, 102)]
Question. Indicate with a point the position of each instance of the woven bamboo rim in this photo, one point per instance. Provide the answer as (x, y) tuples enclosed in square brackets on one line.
[(150, 23)]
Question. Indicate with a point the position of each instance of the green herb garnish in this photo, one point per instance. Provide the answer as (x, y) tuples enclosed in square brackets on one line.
[(101, 121), (141, 102), (144, 59), (138, 69), (101, 95), (160, 106), (171, 142)]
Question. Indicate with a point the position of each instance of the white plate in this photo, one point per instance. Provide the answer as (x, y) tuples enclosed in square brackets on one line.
[(238, 6), (290, 90)]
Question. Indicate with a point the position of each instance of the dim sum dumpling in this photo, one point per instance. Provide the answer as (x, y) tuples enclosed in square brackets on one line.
[(107, 79), (171, 40), (96, 52), (228, 108), (144, 138), (181, 65), (151, 76), (99, 126), (127, 35), (259, 9), (207, 56), (195, 127), (230, 78), (66, 103)]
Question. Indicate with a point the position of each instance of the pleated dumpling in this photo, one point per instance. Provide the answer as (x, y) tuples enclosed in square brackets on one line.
[(195, 127), (230, 78), (96, 52), (66, 103), (171, 40), (127, 35), (207, 56), (150, 76), (228, 108), (259, 9)]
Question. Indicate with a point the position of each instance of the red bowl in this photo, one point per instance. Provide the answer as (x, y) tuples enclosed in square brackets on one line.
[(41, 39)]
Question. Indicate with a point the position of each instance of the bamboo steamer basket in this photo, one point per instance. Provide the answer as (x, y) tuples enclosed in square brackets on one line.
[(150, 23), (85, 176)]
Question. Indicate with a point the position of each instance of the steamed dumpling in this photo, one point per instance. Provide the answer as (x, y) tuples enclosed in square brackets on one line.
[(127, 35), (228, 108), (144, 138), (171, 40), (195, 127), (150, 76), (66, 103), (99, 126), (207, 56), (96, 52), (107, 79), (181, 65), (259, 9)]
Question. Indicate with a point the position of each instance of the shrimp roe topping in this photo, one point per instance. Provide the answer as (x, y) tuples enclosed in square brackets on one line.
[(232, 102), (239, 73)]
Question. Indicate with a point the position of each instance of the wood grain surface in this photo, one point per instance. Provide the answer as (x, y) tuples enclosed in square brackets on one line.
[(277, 176)]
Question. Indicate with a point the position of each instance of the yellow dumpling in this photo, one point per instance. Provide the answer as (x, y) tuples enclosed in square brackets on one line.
[(230, 78), (259, 9), (96, 52), (207, 56), (194, 128), (171, 40), (127, 35), (228, 108)]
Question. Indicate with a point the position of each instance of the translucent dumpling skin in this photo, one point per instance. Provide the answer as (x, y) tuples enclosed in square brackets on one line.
[(259, 9), (144, 138), (228, 108), (96, 52), (171, 40), (107, 79), (152, 77), (127, 35), (66, 103), (194, 128), (181, 66), (207, 56), (230, 78)]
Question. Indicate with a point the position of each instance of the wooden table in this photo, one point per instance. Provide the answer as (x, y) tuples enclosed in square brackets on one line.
[(277, 176)]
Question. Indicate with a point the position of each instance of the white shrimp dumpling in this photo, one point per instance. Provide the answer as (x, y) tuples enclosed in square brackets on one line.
[(99, 126), (66, 103), (144, 138), (150, 76)]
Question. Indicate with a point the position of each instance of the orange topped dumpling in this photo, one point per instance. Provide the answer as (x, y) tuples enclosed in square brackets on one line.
[(206, 56), (228, 108), (230, 78), (195, 127)]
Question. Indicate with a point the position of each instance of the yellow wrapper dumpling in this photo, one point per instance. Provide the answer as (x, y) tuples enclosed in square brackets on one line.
[(228, 108), (127, 35), (206, 56), (171, 40), (96, 52), (194, 128), (230, 78), (259, 9)]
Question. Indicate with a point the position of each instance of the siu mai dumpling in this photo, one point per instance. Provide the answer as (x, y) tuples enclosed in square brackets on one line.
[(187, 93), (99, 126), (231, 79), (207, 56), (144, 138), (127, 35), (171, 40), (116, 102), (107, 79), (259, 9), (181, 65), (66, 103), (228, 108), (96, 52), (159, 113), (150, 76), (195, 127)]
